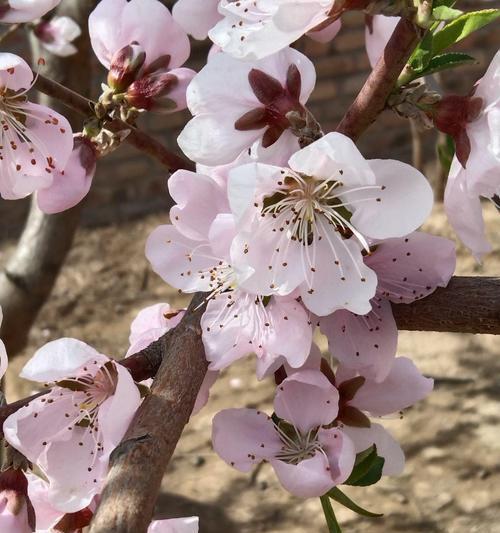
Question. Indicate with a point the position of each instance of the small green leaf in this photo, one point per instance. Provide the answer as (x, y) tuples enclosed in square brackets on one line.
[(337, 495), (446, 13), (367, 468), (331, 519), (422, 54), (444, 62), (461, 27)]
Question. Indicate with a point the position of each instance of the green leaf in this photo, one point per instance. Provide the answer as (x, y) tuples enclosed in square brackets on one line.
[(446, 151), (461, 27), (444, 62), (331, 519), (337, 495), (367, 468), (446, 13), (422, 54)]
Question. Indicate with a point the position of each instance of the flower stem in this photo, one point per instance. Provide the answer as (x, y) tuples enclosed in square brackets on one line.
[(331, 519)]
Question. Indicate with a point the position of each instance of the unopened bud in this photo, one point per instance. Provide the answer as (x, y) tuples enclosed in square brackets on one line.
[(16, 510), (151, 92), (125, 66)]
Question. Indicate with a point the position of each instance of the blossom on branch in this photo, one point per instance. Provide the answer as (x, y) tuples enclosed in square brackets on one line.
[(70, 432), (308, 458), (478, 175), (36, 141), (253, 105), (143, 35), (305, 227), (193, 254)]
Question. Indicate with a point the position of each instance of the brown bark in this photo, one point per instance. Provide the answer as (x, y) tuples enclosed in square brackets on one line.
[(372, 98), (138, 464)]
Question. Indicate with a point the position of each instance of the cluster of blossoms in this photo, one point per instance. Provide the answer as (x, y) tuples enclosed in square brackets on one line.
[(285, 229)]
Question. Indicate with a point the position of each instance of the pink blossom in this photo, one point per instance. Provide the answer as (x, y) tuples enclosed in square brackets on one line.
[(308, 459), (255, 29), (36, 141), (175, 525), (57, 35), (25, 10), (407, 268), (152, 323), (378, 31), (250, 106), (72, 184), (304, 227), (481, 175), (157, 82), (195, 17), (193, 254), (360, 396), (16, 511), (70, 432)]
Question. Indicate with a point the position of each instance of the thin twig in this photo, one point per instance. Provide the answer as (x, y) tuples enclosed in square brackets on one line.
[(141, 140)]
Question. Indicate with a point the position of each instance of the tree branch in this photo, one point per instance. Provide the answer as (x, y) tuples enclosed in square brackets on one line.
[(372, 98), (141, 140)]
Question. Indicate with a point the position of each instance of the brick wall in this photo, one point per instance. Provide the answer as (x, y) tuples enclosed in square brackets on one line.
[(128, 184)]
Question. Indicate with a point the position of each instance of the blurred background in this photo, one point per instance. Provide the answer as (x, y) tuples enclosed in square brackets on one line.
[(452, 440)]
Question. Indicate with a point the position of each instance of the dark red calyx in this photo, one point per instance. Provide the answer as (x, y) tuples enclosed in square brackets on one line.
[(86, 152), (451, 116), (146, 92), (126, 65), (348, 414), (43, 31), (278, 100), (72, 522)]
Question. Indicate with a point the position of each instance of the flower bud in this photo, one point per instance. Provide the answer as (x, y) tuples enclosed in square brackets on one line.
[(125, 66), (16, 511)]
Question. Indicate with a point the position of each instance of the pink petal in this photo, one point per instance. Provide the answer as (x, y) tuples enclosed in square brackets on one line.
[(340, 452), (117, 23), (204, 392), (403, 387), (116, 413), (179, 260), (28, 10), (366, 343), (306, 399), (389, 214), (199, 199), (70, 187), (15, 73), (46, 515), (244, 437), (195, 17), (326, 34), (387, 446), (58, 359), (464, 212), (175, 525), (411, 267), (178, 93), (308, 479), (377, 35)]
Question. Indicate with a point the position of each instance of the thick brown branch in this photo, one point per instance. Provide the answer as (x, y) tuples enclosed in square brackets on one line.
[(467, 305), (142, 141), (372, 98), (138, 464)]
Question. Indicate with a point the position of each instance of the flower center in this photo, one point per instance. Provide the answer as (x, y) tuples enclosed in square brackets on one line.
[(296, 446)]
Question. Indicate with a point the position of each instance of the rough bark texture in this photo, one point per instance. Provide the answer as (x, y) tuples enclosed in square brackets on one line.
[(372, 98), (467, 305), (30, 274), (138, 464)]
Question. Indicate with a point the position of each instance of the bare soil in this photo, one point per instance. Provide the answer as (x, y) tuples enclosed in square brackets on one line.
[(452, 440)]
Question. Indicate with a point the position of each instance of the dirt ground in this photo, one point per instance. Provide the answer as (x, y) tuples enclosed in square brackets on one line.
[(452, 440)]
